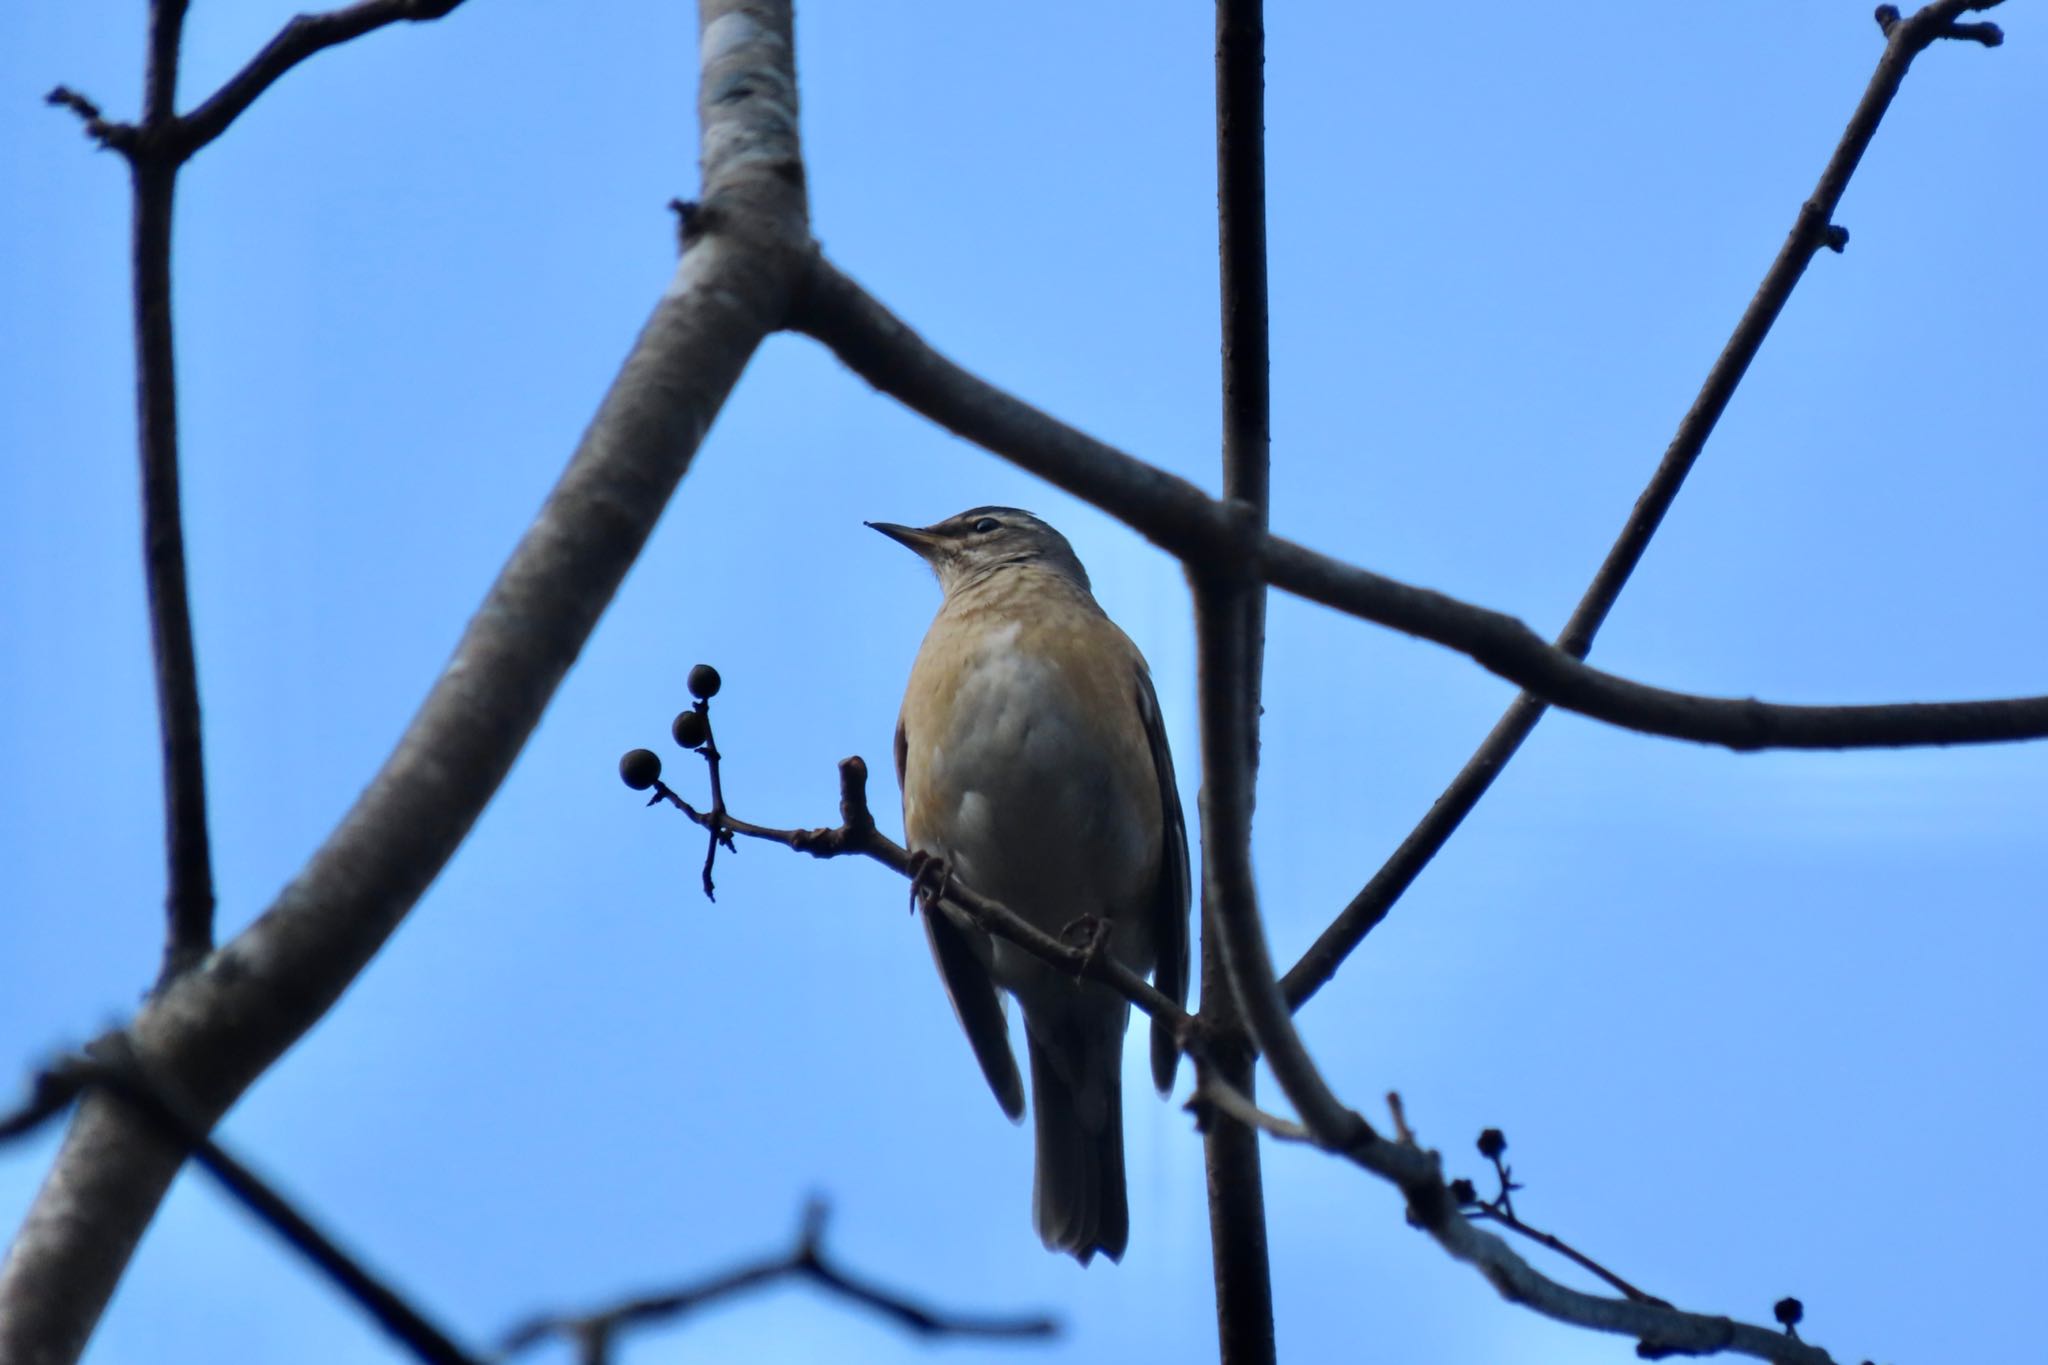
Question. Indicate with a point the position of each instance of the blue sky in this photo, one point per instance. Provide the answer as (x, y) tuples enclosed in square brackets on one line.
[(1754, 1025)]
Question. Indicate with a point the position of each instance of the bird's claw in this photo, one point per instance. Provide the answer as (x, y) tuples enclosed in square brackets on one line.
[(1089, 933), (931, 876)]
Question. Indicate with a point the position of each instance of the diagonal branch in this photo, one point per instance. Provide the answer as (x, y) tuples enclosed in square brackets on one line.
[(301, 37), (1811, 230), (212, 1031), (109, 1064), (1206, 534)]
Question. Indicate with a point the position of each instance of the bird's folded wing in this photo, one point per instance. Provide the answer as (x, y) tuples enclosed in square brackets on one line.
[(1169, 908)]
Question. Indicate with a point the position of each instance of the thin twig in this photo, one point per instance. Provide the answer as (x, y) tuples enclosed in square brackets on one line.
[(1506, 1218), (1809, 232), (806, 1260)]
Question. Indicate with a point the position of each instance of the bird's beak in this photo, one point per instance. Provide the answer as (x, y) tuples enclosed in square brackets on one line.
[(920, 542)]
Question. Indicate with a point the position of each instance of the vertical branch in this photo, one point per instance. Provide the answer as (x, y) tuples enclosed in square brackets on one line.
[(188, 899), (160, 77), (1237, 1206), (153, 167)]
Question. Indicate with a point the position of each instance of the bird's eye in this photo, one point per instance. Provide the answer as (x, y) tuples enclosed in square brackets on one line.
[(987, 524)]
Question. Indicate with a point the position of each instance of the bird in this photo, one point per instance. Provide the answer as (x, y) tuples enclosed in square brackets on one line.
[(1035, 770)]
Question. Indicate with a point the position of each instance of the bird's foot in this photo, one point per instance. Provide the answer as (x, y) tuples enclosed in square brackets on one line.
[(1089, 933), (931, 876)]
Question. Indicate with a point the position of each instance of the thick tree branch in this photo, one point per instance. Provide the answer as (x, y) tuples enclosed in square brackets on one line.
[(1812, 228), (109, 1064), (1230, 1151), (212, 1031), (594, 1332)]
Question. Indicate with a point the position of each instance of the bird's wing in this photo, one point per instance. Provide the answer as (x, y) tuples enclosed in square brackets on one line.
[(1169, 908), (972, 991)]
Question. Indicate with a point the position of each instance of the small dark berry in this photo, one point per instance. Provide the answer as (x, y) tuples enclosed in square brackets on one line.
[(704, 682), (639, 769), (1788, 1311), (691, 729), (1492, 1143), (1462, 1191)]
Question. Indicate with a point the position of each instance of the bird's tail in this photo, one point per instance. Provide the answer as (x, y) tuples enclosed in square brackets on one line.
[(1077, 1192)]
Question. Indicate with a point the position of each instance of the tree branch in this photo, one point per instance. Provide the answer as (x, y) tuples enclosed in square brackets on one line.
[(212, 1031), (594, 1332), (109, 1064), (1227, 869), (1230, 1150), (188, 895), (1202, 532), (1812, 228), (301, 37), (1504, 646)]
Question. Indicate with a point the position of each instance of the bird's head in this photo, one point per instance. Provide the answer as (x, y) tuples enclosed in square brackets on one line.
[(968, 547)]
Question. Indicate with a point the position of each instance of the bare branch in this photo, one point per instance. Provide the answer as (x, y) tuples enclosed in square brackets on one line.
[(301, 37), (189, 897), (1207, 534), (118, 137), (110, 1064), (1230, 1151), (1504, 646), (595, 1331), (212, 1031)]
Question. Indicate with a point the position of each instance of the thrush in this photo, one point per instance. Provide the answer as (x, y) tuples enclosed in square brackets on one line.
[(1034, 767)]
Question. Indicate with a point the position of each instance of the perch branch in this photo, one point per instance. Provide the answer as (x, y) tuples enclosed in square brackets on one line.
[(856, 834)]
